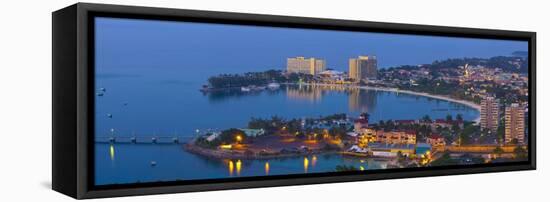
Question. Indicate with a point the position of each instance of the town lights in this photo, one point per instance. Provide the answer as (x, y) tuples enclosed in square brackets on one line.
[(239, 138), (225, 146)]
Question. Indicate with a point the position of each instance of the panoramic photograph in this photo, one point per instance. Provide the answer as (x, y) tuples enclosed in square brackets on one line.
[(182, 101)]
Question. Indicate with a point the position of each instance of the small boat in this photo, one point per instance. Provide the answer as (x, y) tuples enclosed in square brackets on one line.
[(153, 163), (110, 115), (100, 94), (245, 89), (273, 85)]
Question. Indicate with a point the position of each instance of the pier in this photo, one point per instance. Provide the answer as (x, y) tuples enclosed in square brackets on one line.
[(143, 139)]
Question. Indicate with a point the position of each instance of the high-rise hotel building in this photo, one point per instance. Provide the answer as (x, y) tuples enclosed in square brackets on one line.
[(489, 113), (514, 123), (304, 65), (363, 67)]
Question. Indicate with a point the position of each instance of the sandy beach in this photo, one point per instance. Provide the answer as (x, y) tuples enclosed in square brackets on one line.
[(439, 97)]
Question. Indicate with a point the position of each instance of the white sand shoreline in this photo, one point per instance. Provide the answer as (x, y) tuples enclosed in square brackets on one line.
[(439, 97)]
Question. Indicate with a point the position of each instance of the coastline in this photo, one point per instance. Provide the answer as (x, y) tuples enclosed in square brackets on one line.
[(395, 90), (233, 154), (221, 154)]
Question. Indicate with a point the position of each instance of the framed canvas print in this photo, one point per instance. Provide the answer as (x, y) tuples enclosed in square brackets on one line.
[(154, 100)]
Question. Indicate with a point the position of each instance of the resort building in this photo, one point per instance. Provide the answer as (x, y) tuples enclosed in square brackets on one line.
[(436, 140), (366, 135), (514, 124), (396, 137), (489, 113), (304, 65), (332, 76), (363, 67)]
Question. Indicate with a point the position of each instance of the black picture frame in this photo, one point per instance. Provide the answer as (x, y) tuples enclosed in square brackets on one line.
[(73, 99)]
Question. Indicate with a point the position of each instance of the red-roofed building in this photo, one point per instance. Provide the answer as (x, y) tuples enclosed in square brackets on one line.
[(436, 140)]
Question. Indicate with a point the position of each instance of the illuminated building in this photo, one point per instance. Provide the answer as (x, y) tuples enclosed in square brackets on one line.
[(304, 65), (489, 113), (396, 137), (514, 124), (436, 140), (363, 67)]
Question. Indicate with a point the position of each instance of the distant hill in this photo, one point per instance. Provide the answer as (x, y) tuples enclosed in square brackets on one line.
[(515, 64), (523, 54)]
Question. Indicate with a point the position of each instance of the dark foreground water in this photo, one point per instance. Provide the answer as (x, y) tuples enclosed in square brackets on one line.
[(179, 109)]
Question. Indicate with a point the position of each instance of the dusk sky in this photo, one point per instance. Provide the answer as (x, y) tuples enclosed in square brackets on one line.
[(215, 48)]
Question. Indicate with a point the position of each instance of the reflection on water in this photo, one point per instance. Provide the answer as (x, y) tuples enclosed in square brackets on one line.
[(303, 92), (266, 167), (172, 163), (358, 100), (231, 167), (112, 152), (227, 94), (238, 166), (361, 100), (313, 160), (306, 164), (234, 167)]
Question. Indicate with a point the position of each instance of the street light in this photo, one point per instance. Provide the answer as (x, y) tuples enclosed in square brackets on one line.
[(239, 138)]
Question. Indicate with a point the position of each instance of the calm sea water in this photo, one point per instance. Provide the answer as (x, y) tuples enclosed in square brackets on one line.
[(179, 109), (127, 163)]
